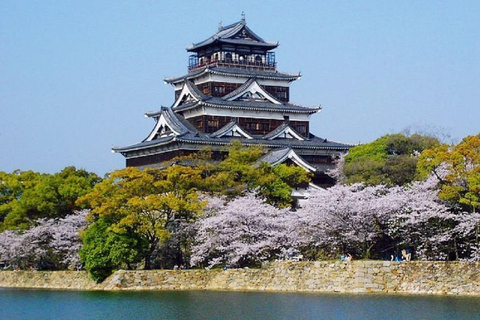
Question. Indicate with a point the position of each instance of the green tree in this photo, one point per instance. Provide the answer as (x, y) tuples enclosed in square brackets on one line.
[(391, 159), (12, 187), (241, 171), (275, 183), (28, 196), (104, 250), (458, 170), (142, 203)]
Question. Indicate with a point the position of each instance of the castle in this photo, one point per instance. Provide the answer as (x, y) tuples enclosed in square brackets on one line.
[(233, 91)]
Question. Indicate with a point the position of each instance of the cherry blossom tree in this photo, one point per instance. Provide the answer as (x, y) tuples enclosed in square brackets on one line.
[(51, 244), (346, 218), (359, 219), (421, 220), (367, 221), (242, 232)]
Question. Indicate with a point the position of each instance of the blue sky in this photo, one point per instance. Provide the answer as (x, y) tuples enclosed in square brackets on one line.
[(76, 77)]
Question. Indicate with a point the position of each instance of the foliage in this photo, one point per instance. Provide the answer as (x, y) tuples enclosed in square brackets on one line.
[(366, 221), (275, 183), (138, 204), (105, 250), (241, 171), (154, 208), (389, 160), (346, 218), (243, 232), (153, 216), (52, 244), (458, 169), (28, 196)]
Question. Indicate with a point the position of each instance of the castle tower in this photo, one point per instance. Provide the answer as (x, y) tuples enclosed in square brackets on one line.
[(233, 90)]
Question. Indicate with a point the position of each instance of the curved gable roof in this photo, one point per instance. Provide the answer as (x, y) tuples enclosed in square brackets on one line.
[(278, 156), (168, 124), (231, 129), (236, 72), (284, 131), (189, 93), (236, 33), (253, 88)]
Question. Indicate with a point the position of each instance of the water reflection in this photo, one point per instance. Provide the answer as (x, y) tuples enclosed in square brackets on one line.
[(43, 304)]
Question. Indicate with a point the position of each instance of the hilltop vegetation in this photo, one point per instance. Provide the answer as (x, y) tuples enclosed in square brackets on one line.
[(390, 160), (398, 192), (26, 196)]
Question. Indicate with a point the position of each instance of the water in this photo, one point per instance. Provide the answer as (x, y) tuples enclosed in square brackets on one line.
[(46, 304)]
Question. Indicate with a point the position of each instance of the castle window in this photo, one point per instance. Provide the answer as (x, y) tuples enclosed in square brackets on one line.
[(282, 95), (219, 90), (228, 57), (302, 129), (213, 123)]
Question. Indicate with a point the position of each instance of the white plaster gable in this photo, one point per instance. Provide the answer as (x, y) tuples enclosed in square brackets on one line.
[(234, 131), (286, 133), (186, 95), (254, 91), (292, 155), (162, 129), (277, 157)]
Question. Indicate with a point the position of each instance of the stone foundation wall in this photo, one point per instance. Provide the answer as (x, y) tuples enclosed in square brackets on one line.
[(417, 277)]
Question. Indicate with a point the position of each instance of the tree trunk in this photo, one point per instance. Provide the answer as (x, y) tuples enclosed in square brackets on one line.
[(477, 231), (457, 257), (148, 263), (367, 250), (149, 253)]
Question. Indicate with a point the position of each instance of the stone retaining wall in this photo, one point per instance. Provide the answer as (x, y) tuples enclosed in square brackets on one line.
[(417, 277)]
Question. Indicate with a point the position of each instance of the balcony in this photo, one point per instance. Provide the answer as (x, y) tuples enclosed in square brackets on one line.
[(246, 63)]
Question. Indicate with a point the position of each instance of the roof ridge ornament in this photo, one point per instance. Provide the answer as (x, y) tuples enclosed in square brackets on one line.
[(243, 16), (220, 27)]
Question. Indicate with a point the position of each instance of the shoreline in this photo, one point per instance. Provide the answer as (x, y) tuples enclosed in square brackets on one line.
[(376, 277)]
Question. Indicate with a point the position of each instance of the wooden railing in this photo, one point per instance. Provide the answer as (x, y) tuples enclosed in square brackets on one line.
[(234, 64)]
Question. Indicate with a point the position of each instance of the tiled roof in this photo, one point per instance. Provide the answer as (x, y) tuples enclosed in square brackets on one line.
[(275, 156), (232, 125), (277, 130), (248, 105), (194, 90), (189, 134), (229, 34), (237, 72), (196, 138), (251, 83), (278, 156), (144, 144), (239, 89), (286, 124), (175, 122), (220, 132), (312, 143)]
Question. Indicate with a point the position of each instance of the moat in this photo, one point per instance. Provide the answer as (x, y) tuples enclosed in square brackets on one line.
[(53, 304)]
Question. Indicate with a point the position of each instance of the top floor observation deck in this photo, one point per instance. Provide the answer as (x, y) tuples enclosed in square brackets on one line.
[(265, 62), (233, 46)]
